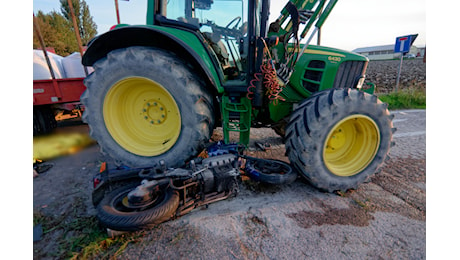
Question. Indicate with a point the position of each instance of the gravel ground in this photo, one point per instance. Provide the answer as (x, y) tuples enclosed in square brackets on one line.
[(382, 219)]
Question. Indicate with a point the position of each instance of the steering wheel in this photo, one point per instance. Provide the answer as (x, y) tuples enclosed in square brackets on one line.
[(232, 32), (237, 19)]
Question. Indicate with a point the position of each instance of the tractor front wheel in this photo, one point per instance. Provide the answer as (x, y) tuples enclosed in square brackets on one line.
[(338, 138)]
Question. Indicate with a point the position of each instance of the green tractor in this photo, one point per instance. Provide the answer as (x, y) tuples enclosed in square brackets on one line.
[(159, 90)]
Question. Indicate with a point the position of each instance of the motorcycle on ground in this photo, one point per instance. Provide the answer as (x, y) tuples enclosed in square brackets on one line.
[(129, 199)]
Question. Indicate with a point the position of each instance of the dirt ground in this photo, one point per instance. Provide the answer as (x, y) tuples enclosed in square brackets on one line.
[(382, 219)]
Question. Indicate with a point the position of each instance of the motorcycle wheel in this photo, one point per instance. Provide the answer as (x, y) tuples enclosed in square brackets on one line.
[(113, 212), (270, 171)]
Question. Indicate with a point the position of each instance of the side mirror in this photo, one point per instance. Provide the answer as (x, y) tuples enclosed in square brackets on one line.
[(203, 4)]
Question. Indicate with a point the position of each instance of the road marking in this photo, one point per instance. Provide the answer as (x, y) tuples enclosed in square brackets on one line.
[(410, 134), (408, 111), (399, 120)]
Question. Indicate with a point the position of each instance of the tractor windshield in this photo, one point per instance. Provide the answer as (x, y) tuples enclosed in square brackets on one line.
[(222, 22)]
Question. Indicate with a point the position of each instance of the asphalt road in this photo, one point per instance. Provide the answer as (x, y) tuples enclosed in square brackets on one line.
[(410, 137), (382, 219)]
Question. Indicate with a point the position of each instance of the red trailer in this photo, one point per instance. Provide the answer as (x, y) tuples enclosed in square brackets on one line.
[(56, 91), (56, 99)]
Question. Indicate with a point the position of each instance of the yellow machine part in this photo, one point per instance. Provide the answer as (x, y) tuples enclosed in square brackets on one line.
[(142, 116), (351, 145)]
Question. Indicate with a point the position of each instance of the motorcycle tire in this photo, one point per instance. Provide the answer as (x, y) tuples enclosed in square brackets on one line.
[(114, 215), (270, 171)]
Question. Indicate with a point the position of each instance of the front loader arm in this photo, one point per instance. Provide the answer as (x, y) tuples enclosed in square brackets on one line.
[(299, 12)]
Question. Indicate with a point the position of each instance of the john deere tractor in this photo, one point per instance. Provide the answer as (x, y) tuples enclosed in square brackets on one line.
[(159, 90)]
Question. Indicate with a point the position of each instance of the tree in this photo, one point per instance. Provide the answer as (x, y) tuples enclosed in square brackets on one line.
[(47, 32), (85, 23), (56, 32), (57, 29)]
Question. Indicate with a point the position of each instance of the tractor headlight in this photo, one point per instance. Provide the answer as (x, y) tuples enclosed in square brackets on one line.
[(360, 82)]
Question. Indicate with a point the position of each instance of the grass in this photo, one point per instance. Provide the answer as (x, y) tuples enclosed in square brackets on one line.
[(83, 238), (106, 248), (78, 237), (405, 99)]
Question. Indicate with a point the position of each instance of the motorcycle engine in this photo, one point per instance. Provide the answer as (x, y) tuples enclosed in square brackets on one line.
[(221, 174)]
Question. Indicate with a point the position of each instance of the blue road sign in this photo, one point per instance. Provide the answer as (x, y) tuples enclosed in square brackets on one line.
[(403, 43)]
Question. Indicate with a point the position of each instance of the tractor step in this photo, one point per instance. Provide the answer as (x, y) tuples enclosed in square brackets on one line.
[(236, 116)]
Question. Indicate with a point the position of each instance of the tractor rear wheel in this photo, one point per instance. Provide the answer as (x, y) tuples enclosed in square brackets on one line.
[(144, 105), (338, 138)]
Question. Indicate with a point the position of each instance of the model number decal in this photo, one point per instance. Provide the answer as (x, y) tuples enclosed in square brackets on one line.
[(334, 58)]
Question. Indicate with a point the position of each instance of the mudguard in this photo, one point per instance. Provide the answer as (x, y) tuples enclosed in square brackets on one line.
[(140, 35)]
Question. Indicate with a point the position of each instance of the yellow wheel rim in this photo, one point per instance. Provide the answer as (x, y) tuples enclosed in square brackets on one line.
[(142, 116), (351, 145)]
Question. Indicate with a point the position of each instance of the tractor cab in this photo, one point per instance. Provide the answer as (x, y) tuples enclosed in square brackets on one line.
[(226, 28), (223, 24)]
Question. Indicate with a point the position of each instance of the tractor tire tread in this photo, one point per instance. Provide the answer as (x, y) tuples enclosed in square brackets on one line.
[(308, 128)]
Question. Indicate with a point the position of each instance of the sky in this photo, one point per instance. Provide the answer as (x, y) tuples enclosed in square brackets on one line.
[(352, 23)]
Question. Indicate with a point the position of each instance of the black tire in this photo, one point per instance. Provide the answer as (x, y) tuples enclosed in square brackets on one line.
[(172, 77), (43, 120), (112, 214), (270, 171), (36, 122), (332, 159), (51, 123)]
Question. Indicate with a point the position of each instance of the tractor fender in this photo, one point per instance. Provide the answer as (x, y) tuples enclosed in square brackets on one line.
[(127, 36)]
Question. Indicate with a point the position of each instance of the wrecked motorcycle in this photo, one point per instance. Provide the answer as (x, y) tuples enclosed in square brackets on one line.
[(135, 199)]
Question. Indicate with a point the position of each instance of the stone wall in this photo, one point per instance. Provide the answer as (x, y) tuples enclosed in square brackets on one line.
[(383, 74)]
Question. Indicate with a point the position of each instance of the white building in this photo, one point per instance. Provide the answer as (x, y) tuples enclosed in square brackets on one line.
[(386, 52)]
